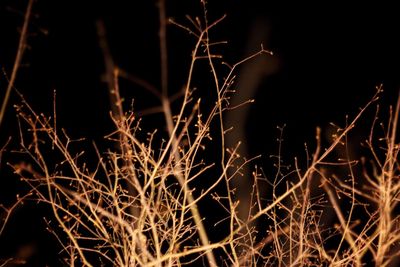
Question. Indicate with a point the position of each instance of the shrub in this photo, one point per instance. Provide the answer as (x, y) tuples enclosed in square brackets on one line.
[(141, 202)]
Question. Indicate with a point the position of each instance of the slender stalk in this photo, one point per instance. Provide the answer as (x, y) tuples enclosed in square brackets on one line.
[(170, 126), (18, 58)]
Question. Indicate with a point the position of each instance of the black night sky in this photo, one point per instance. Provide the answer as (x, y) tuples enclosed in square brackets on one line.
[(328, 59)]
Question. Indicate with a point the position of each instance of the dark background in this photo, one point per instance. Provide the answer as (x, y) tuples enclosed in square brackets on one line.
[(329, 59)]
